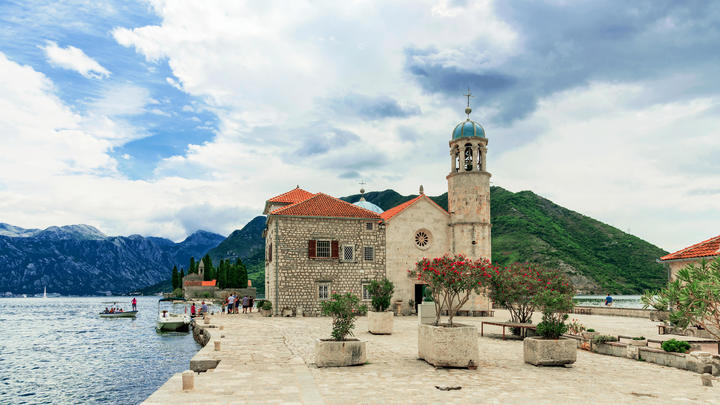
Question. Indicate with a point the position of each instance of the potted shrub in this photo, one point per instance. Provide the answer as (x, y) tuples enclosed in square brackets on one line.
[(451, 280), (266, 309), (549, 348), (675, 346), (590, 334), (340, 350), (639, 341), (380, 320)]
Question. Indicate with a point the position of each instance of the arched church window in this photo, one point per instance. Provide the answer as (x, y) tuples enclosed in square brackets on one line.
[(457, 162), (468, 158), (480, 157)]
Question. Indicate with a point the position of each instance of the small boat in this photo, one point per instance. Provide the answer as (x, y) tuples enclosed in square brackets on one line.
[(45, 293), (168, 321), (117, 312)]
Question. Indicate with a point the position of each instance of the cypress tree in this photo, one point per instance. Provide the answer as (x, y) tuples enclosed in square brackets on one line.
[(209, 270), (222, 274), (242, 274), (233, 277), (174, 280), (181, 276), (192, 268)]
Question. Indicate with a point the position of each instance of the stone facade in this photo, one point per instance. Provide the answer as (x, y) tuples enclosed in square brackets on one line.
[(293, 279)]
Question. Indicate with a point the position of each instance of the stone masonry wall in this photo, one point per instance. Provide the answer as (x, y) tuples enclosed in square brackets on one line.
[(300, 275)]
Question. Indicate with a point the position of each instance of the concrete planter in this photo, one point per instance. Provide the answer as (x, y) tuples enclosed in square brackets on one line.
[(426, 313), (449, 347), (549, 352), (380, 323), (340, 353), (641, 342), (266, 312), (589, 335)]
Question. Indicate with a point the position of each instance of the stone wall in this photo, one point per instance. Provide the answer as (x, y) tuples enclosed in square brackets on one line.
[(199, 292), (299, 275), (403, 252)]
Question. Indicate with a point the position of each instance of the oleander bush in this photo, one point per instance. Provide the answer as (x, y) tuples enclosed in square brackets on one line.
[(343, 308), (676, 346), (555, 306), (381, 291)]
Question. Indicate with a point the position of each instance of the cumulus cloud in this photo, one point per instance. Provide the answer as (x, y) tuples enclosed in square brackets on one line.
[(74, 59)]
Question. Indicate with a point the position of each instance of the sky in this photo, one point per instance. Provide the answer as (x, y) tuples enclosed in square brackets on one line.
[(164, 117)]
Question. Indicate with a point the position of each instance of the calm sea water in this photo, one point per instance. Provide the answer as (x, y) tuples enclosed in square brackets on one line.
[(58, 350), (619, 301)]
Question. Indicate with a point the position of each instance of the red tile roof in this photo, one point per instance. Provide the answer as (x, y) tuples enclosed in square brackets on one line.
[(710, 247), (400, 208), (323, 205), (293, 196)]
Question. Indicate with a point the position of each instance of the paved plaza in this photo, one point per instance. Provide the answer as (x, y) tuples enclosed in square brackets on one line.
[(271, 361)]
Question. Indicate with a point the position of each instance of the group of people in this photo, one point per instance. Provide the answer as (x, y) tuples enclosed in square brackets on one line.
[(203, 309), (112, 310), (232, 304)]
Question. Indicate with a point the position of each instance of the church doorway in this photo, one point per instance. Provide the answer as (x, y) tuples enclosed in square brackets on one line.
[(419, 293)]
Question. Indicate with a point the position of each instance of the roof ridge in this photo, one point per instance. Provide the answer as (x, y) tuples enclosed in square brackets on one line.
[(351, 204), (294, 204), (335, 200), (288, 192)]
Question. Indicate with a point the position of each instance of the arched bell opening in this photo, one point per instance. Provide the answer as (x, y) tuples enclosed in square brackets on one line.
[(468, 162)]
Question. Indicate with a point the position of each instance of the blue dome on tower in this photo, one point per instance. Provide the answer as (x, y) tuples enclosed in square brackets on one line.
[(468, 128), (363, 203)]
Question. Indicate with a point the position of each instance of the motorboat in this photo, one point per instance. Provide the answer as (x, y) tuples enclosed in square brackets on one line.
[(167, 321), (117, 311)]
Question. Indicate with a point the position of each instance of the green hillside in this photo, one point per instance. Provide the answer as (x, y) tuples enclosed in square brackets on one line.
[(526, 227)]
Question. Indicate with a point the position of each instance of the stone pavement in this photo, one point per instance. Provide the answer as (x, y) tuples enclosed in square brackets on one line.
[(270, 361)]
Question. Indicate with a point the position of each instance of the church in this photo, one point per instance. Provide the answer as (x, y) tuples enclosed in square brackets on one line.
[(316, 244)]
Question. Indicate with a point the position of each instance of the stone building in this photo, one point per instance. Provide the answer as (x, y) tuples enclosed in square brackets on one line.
[(316, 244), (194, 285)]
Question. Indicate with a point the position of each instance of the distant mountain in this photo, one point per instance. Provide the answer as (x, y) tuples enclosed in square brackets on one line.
[(526, 227), (81, 260)]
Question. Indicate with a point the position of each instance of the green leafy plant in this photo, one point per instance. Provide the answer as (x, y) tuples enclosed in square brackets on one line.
[(555, 306), (604, 339), (177, 292), (411, 303), (639, 338), (267, 305), (516, 286), (259, 303), (451, 280), (343, 308), (590, 330), (381, 291), (675, 346), (693, 297), (575, 327)]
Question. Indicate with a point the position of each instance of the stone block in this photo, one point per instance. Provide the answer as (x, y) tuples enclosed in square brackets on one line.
[(706, 380), (426, 313), (638, 342), (217, 345), (455, 346), (334, 353), (716, 366), (188, 380), (659, 356), (549, 352), (380, 323), (589, 335), (699, 362)]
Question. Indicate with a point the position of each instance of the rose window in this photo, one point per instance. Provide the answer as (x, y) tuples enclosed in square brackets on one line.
[(422, 239)]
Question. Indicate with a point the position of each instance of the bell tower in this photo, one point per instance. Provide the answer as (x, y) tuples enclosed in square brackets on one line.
[(469, 189)]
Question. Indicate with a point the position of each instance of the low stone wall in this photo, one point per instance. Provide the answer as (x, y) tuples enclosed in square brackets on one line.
[(206, 358), (698, 362), (614, 311), (659, 356), (611, 349)]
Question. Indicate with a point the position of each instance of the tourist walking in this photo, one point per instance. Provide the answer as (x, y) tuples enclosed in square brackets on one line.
[(230, 304), (237, 304), (192, 309), (608, 300), (251, 303), (245, 302), (134, 304), (204, 308)]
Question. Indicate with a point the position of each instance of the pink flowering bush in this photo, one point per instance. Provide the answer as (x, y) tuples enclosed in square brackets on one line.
[(451, 280), (518, 286)]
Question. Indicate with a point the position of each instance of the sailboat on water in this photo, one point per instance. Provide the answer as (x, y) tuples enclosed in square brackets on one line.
[(45, 292)]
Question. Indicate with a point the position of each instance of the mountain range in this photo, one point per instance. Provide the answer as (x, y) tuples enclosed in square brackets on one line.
[(81, 260)]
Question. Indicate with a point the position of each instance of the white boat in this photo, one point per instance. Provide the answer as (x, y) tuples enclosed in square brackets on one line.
[(45, 292), (168, 321)]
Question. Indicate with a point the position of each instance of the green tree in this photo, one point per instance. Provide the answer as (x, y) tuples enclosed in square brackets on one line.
[(242, 274), (381, 292), (209, 270), (181, 276), (233, 276), (175, 282), (222, 274), (343, 309), (693, 297), (192, 268)]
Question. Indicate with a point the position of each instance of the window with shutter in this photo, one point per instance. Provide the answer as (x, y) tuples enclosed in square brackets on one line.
[(335, 249), (311, 248)]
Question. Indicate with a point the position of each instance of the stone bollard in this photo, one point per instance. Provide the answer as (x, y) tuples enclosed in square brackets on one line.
[(706, 380), (206, 320), (188, 380), (217, 345), (222, 327)]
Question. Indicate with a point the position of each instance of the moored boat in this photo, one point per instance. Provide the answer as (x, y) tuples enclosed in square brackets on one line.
[(116, 311), (168, 321)]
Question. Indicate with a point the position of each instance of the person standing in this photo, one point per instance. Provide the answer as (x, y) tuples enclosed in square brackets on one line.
[(251, 302), (134, 304), (204, 308), (192, 309), (245, 302), (237, 304), (608, 300)]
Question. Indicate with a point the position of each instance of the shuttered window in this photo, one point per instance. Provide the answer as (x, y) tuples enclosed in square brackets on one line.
[(323, 249)]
